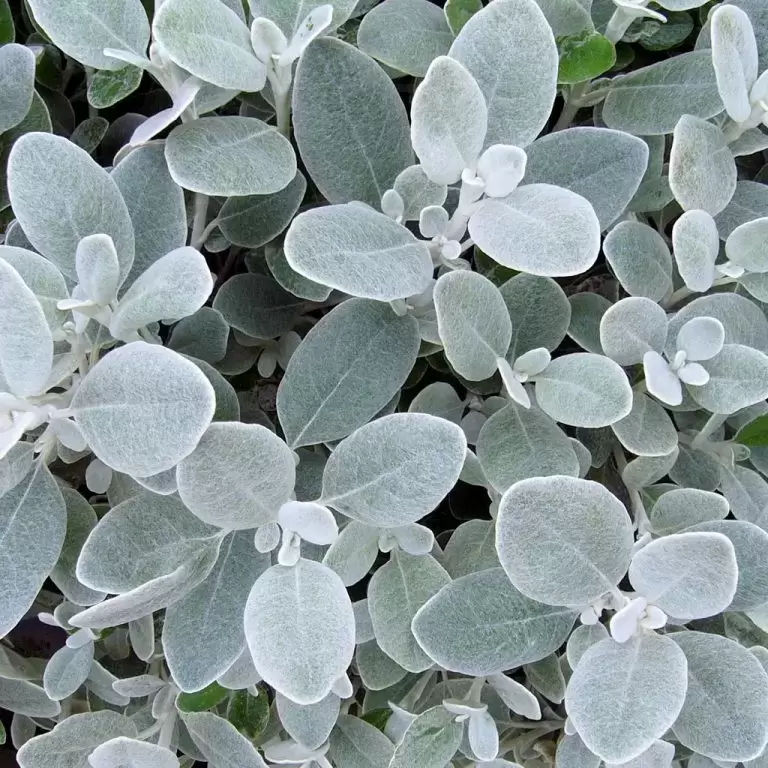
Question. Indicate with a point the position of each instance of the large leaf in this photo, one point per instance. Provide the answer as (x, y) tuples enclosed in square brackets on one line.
[(738, 378), (622, 697), (540, 313), (308, 724), (238, 476), (358, 251), (347, 368), (132, 753), (143, 408), (751, 546), (350, 123), (84, 28), (203, 632), (702, 170), (584, 390), (300, 628), (510, 50), (734, 57), (650, 101), (209, 40), (59, 195), (448, 121), (473, 323), (71, 741), (630, 328), (540, 229), (254, 220), (155, 203), (640, 258), (517, 443), (724, 712), (647, 430), (81, 520), (687, 575), (220, 742), (33, 520), (405, 35), (395, 594), (603, 166), (17, 84), (26, 343), (140, 539), (173, 287), (394, 470), (230, 155), (480, 625), (545, 537)]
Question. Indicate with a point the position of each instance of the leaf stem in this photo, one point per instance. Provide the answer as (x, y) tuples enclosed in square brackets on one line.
[(198, 223), (714, 422), (572, 106)]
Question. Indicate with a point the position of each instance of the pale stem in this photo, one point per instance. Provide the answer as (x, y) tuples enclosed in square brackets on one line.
[(638, 508), (283, 110), (467, 244), (166, 731), (715, 421), (572, 106), (198, 223), (412, 697), (473, 694)]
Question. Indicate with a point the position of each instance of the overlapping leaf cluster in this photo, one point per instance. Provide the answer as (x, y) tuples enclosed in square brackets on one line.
[(246, 359)]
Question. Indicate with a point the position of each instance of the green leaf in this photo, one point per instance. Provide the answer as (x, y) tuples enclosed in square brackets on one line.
[(755, 433), (107, 87), (584, 57), (208, 698), (7, 29), (248, 713), (378, 718), (459, 12)]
